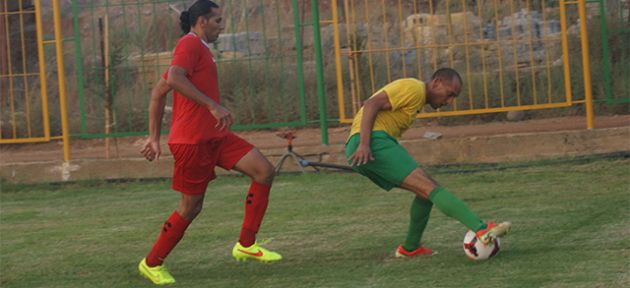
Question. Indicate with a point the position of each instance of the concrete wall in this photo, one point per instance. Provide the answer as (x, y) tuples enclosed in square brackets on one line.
[(481, 149)]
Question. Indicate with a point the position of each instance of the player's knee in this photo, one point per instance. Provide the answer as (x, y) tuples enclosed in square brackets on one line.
[(189, 215), (190, 211), (266, 174), (420, 183), (426, 190), (195, 211)]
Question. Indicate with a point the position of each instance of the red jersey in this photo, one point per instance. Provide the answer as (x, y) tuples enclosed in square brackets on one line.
[(193, 123)]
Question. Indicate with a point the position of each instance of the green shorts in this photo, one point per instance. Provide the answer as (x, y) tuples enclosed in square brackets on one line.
[(391, 165)]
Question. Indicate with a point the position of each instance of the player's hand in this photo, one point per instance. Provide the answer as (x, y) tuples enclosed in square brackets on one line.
[(362, 155), (151, 149), (223, 116)]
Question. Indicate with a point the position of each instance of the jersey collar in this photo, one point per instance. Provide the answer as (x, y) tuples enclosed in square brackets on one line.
[(202, 41)]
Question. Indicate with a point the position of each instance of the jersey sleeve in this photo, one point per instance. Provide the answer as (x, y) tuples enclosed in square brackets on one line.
[(403, 94), (186, 54)]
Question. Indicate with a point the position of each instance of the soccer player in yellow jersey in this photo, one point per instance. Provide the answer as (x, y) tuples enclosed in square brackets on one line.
[(373, 150)]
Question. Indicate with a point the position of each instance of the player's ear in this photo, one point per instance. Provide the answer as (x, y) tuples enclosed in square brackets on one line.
[(435, 82), (202, 20)]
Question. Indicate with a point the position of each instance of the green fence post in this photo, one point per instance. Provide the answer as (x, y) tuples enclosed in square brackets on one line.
[(323, 124), (79, 63), (298, 50), (604, 37)]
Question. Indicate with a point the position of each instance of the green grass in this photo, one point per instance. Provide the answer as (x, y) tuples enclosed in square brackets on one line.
[(571, 229)]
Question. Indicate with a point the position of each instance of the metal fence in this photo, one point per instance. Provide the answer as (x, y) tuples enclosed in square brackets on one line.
[(615, 39), (26, 92), (124, 47), (513, 54)]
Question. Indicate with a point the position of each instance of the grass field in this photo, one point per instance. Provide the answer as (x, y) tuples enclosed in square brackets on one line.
[(571, 229)]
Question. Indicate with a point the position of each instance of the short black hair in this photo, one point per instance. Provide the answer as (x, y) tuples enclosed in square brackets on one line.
[(447, 74), (188, 18)]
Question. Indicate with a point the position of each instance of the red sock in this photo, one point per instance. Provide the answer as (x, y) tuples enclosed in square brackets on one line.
[(172, 231), (255, 207)]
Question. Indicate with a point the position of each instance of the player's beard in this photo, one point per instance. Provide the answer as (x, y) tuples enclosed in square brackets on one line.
[(213, 38)]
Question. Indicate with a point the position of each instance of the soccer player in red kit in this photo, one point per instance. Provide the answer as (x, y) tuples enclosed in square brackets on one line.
[(199, 140)]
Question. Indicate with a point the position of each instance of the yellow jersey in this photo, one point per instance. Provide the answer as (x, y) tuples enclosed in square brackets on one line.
[(407, 96)]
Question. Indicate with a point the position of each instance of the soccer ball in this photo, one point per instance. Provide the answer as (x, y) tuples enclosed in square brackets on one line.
[(476, 250)]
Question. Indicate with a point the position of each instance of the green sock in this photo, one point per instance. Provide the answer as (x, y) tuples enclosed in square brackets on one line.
[(450, 205), (419, 217)]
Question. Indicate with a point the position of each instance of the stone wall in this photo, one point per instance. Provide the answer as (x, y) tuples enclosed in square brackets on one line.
[(519, 36)]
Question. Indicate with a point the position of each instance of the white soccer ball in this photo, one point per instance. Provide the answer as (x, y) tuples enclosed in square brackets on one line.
[(476, 250)]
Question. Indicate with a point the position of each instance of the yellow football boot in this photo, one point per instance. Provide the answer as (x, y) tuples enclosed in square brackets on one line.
[(254, 252), (158, 274)]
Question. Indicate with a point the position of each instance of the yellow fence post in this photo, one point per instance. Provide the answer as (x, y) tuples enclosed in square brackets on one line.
[(513, 46), (337, 46), (65, 133), (586, 64), (42, 69)]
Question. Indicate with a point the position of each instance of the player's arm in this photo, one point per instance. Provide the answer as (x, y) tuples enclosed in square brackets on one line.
[(372, 106), (151, 148), (177, 80)]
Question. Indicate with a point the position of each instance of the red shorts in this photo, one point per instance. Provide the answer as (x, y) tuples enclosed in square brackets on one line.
[(194, 163)]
